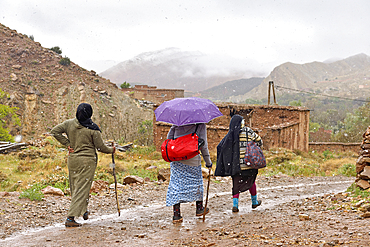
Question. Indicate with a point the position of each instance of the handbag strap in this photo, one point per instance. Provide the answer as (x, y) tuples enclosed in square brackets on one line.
[(195, 129), (246, 133), (167, 151)]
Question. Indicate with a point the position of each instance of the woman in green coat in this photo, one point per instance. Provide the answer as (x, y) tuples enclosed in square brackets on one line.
[(83, 138)]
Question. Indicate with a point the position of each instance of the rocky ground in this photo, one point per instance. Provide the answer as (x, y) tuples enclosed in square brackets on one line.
[(295, 211)]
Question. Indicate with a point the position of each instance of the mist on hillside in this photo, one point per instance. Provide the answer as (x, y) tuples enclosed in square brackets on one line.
[(190, 70)]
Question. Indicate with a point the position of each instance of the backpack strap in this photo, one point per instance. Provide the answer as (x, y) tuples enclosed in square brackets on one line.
[(195, 129)]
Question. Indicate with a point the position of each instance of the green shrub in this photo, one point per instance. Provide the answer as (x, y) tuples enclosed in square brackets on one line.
[(56, 49), (142, 150), (5, 136), (143, 173), (356, 191), (31, 37), (348, 170), (58, 180), (103, 175), (34, 193), (125, 85), (328, 154), (145, 133), (3, 176), (295, 103), (65, 61), (8, 118)]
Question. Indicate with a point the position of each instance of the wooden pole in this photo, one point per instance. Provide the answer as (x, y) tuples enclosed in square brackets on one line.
[(115, 181), (268, 95), (205, 206), (271, 85), (273, 92)]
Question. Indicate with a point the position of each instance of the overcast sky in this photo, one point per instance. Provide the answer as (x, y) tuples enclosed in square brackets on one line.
[(266, 32)]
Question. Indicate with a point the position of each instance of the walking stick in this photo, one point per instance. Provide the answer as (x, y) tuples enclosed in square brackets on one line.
[(205, 207), (115, 182)]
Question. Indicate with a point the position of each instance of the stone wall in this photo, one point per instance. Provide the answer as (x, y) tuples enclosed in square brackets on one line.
[(153, 94), (363, 162), (279, 126), (321, 135), (334, 146)]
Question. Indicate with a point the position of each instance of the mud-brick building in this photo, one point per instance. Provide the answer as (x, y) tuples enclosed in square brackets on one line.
[(153, 94), (279, 126)]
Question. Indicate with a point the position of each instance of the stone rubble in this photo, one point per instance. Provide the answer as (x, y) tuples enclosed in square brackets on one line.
[(363, 162)]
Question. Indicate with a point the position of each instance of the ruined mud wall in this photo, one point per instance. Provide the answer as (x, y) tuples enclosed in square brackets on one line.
[(153, 94), (321, 135), (279, 126), (334, 146)]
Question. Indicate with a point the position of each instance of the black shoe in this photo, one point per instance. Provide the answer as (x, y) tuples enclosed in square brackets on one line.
[(201, 212), (235, 209), (259, 202), (86, 215), (72, 223), (177, 219)]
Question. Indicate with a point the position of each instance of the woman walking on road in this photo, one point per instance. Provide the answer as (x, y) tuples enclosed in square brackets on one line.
[(83, 139), (186, 182), (230, 160)]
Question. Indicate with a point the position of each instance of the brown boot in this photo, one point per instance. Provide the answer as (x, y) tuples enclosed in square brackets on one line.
[(70, 222), (85, 216), (177, 218), (259, 202), (200, 209), (200, 212)]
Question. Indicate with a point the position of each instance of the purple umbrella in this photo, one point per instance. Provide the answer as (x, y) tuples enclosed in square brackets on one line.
[(183, 111)]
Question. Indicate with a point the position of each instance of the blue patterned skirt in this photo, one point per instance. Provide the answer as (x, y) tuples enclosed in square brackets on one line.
[(186, 184)]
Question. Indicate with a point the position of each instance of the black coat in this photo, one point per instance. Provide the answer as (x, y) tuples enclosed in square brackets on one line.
[(228, 163)]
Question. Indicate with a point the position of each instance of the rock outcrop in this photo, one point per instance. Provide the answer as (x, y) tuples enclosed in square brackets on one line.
[(47, 93)]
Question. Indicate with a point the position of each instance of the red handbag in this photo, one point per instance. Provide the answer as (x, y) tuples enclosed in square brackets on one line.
[(182, 148)]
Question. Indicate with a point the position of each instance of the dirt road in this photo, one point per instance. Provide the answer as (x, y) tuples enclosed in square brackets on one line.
[(295, 211)]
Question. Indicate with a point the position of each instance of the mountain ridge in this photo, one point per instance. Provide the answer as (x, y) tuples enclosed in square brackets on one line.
[(194, 72), (173, 68), (229, 89), (343, 78)]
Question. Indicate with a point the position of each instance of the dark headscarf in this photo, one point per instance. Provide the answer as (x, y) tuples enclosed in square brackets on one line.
[(83, 115), (228, 163)]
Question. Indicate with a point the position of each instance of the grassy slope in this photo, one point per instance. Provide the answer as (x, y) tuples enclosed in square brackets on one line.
[(29, 175), (21, 170)]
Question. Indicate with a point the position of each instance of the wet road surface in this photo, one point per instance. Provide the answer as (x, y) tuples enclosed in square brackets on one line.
[(151, 224)]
